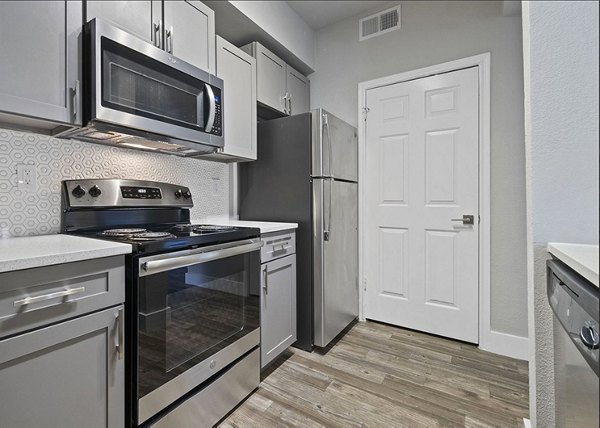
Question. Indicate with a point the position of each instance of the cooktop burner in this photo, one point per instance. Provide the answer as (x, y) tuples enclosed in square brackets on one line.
[(200, 228), (210, 227), (136, 234), (151, 236), (122, 232)]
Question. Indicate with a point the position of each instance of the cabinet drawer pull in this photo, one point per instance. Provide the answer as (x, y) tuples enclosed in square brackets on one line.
[(30, 300)]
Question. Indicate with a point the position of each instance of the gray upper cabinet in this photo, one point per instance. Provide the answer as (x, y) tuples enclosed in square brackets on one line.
[(139, 18), (39, 63), (298, 87), (190, 32), (238, 71), (279, 86), (184, 28), (271, 78), (67, 375)]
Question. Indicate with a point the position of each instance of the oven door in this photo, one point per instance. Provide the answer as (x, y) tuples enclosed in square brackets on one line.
[(136, 85), (198, 311)]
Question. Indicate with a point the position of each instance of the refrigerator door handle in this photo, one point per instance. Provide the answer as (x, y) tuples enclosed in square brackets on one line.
[(329, 149), (327, 216)]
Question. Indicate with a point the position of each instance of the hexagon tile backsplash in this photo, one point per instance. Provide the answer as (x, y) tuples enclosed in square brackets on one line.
[(38, 212)]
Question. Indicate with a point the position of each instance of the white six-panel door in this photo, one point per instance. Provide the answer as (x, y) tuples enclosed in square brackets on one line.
[(421, 265)]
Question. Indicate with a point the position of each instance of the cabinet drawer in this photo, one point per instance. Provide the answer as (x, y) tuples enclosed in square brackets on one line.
[(36, 297), (277, 244)]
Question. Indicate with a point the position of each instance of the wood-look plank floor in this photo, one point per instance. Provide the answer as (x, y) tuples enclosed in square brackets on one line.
[(378, 375)]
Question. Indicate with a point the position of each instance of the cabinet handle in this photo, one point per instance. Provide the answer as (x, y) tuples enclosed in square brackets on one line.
[(120, 334), (30, 300), (290, 104), (265, 280), (156, 28), (169, 39), (76, 96), (284, 99)]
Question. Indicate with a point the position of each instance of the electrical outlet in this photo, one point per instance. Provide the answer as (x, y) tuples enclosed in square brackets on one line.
[(26, 177), (216, 186)]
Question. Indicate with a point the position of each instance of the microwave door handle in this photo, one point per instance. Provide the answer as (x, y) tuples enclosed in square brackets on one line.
[(212, 107)]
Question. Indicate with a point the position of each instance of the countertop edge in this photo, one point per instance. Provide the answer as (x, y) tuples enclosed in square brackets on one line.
[(572, 260), (97, 249), (264, 226)]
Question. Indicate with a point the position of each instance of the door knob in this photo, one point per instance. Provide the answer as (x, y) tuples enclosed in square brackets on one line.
[(466, 219)]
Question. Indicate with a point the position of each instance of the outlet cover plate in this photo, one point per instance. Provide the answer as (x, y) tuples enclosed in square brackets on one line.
[(26, 177)]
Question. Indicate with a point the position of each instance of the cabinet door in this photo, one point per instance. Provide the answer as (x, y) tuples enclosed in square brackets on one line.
[(38, 59), (298, 88), (67, 375), (238, 71), (278, 307), (190, 32), (271, 76), (139, 18)]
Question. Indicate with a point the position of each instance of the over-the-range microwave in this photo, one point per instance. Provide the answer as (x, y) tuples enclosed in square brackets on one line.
[(137, 95)]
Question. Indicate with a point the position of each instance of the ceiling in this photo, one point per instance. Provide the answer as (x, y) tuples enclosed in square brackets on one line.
[(318, 14)]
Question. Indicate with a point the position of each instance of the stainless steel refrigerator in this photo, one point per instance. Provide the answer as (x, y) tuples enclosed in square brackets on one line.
[(307, 173)]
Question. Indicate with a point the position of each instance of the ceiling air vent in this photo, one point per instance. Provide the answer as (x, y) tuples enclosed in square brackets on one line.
[(380, 23)]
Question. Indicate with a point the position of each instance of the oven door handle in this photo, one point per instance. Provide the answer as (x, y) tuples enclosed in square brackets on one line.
[(174, 261)]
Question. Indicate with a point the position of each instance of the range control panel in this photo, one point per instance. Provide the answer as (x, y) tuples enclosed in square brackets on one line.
[(129, 192), (107, 193)]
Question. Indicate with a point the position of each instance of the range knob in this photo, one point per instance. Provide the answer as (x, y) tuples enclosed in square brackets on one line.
[(589, 337), (95, 192), (178, 193), (78, 192), (187, 194)]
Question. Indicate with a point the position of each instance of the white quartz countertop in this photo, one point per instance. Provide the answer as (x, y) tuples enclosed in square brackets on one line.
[(583, 259), (26, 252), (264, 226)]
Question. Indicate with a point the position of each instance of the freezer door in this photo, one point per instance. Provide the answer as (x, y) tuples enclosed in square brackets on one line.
[(335, 147), (335, 248)]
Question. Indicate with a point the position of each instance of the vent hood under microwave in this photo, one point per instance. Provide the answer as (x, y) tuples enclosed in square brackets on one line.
[(136, 95)]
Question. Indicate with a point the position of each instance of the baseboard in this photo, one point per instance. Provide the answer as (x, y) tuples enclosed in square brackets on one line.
[(506, 344)]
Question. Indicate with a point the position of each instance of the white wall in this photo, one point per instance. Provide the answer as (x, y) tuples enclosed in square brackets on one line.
[(560, 42), (435, 32), (279, 20)]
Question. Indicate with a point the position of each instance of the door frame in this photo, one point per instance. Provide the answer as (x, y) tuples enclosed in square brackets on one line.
[(482, 61)]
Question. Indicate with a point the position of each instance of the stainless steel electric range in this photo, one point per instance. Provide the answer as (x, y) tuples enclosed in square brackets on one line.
[(192, 299)]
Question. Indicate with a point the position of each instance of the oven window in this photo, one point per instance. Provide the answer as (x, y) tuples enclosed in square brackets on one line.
[(136, 84), (188, 314)]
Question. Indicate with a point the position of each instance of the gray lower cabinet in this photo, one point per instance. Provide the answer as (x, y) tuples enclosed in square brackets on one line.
[(278, 296), (39, 84), (62, 345), (66, 375)]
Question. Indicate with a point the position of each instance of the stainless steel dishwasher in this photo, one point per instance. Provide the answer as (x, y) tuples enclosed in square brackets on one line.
[(574, 301)]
